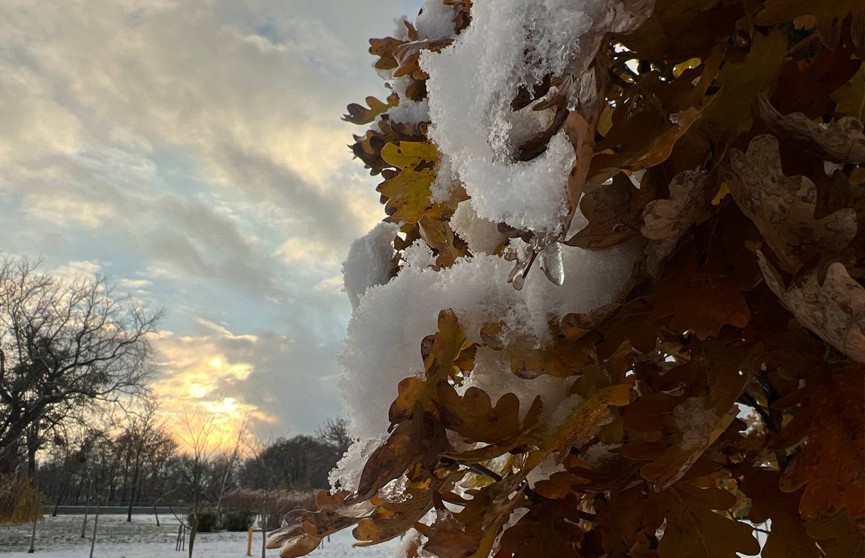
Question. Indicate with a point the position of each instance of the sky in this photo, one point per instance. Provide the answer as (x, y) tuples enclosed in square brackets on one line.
[(192, 151)]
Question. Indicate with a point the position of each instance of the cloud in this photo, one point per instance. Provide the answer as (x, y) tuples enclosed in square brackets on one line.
[(280, 385), (195, 151)]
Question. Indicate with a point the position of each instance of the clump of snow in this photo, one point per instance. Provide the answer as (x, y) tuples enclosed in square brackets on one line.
[(443, 184), (492, 374), (346, 475), (481, 235), (384, 335), (368, 261), (407, 111), (694, 421), (418, 255), (510, 43), (597, 455), (435, 20), (544, 470)]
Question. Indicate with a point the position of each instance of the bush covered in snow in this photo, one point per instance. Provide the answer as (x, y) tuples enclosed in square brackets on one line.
[(616, 308)]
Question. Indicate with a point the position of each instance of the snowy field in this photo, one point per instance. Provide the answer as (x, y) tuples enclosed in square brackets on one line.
[(60, 537)]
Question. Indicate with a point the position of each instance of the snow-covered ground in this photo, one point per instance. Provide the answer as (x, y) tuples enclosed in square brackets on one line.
[(60, 537)]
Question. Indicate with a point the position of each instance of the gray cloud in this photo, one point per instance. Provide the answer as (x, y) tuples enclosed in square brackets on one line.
[(197, 146)]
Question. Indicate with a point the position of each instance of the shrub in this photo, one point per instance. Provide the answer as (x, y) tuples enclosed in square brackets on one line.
[(208, 520), (237, 520)]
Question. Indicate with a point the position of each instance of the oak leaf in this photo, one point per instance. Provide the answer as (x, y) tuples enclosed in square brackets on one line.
[(838, 536), (834, 310), (407, 190), (583, 421), (613, 211), (548, 529), (783, 207), (358, 114), (689, 422), (841, 141), (787, 536), (644, 141), (701, 298), (475, 417), (696, 529), (666, 221), (829, 468), (392, 519)]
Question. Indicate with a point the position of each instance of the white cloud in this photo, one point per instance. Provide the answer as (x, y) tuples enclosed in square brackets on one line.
[(77, 270), (195, 150)]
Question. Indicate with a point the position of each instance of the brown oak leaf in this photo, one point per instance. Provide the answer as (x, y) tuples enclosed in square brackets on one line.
[(666, 221), (783, 207), (830, 466), (841, 141), (834, 310)]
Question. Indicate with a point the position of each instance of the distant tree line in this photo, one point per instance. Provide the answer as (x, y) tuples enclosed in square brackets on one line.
[(142, 466)]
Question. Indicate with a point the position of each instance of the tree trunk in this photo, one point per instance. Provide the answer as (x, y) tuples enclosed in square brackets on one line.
[(132, 495), (193, 530), (86, 511)]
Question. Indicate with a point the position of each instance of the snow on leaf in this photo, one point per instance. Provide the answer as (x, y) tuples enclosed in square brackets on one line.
[(692, 421)]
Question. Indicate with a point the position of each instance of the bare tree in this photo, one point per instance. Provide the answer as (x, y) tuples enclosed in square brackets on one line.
[(208, 468), (65, 346), (334, 432), (142, 441)]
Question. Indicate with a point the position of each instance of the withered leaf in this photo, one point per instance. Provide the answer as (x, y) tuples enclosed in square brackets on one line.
[(783, 207), (407, 56), (392, 519), (834, 310), (787, 536), (692, 421), (585, 418), (449, 350), (473, 415), (666, 221), (838, 536), (548, 529), (440, 237), (358, 114), (669, 219), (680, 29), (741, 81), (294, 546), (806, 87), (841, 141), (613, 211), (830, 466), (701, 298), (695, 529), (647, 146)]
